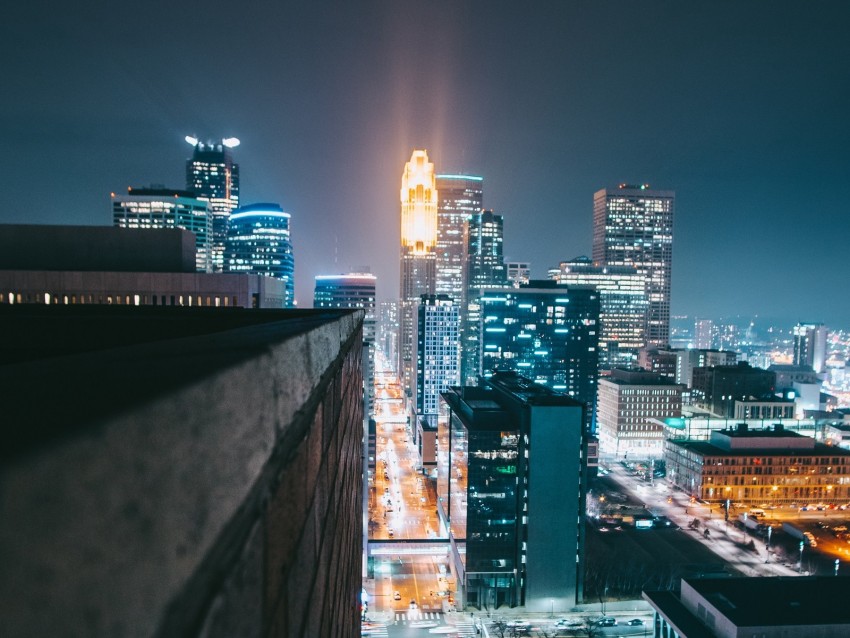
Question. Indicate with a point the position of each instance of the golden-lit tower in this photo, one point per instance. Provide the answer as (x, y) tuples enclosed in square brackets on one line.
[(419, 205), (418, 257)]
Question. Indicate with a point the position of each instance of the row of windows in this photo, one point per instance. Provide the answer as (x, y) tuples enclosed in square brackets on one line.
[(119, 299)]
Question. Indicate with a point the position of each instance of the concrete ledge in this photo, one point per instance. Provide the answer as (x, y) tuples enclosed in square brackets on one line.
[(128, 524)]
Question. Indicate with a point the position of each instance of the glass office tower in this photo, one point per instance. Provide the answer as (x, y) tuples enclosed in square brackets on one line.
[(547, 332), (212, 176), (460, 197), (258, 242)]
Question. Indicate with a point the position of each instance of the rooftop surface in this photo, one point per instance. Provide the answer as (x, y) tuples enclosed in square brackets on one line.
[(780, 600)]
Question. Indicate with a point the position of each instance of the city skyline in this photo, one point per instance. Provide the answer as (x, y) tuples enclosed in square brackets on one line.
[(738, 110)]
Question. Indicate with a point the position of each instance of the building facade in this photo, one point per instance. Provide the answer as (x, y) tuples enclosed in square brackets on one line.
[(510, 486), (723, 607), (459, 197), (213, 176), (688, 359), (547, 332), (633, 226), (717, 389), (93, 265), (485, 270), (629, 406), (437, 352), (354, 290), (810, 346), (155, 207), (259, 243), (518, 273), (770, 466), (418, 254), (623, 306)]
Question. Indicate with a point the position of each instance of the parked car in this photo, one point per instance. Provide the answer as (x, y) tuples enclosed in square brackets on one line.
[(396, 596), (635, 622), (607, 621)]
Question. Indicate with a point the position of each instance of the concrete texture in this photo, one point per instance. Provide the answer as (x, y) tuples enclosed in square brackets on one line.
[(206, 485)]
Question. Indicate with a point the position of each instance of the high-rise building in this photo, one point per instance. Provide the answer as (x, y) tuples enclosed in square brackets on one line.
[(418, 257), (437, 353), (519, 273), (212, 176), (354, 290), (810, 346), (484, 270), (633, 226), (703, 334), (546, 332), (460, 196), (159, 207), (623, 306), (511, 466), (630, 406), (258, 242), (388, 330)]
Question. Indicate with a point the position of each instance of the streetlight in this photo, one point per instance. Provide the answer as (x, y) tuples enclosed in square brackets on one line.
[(769, 532), (802, 544), (836, 567)]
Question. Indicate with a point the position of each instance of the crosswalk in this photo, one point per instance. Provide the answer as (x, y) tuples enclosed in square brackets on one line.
[(465, 628), (411, 615), (374, 629)]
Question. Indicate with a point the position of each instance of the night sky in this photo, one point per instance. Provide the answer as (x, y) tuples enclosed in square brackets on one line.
[(742, 108)]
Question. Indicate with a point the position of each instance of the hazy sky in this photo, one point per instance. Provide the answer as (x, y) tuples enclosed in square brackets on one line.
[(742, 108)]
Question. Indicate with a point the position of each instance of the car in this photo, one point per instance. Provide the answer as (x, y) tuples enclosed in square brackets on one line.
[(565, 623), (606, 621), (636, 622), (413, 604), (391, 533), (396, 596)]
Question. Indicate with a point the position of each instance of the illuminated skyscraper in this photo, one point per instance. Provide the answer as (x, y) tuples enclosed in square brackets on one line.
[(623, 305), (213, 176), (160, 207), (810, 346), (633, 226), (460, 197), (354, 290), (437, 361), (258, 242), (547, 332), (484, 270), (418, 258)]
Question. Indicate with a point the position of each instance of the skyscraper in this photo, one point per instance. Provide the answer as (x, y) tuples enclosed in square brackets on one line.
[(354, 290), (258, 242), (623, 306), (460, 196), (213, 176), (546, 332), (437, 354), (418, 258), (160, 207), (633, 226), (484, 270), (810, 346)]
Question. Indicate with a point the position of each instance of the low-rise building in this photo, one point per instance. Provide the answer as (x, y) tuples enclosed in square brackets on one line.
[(629, 405), (769, 466), (774, 607)]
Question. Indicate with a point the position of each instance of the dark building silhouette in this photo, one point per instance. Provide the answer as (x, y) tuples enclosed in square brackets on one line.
[(511, 463)]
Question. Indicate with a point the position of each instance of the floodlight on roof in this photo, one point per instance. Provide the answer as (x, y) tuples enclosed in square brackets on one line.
[(191, 140), (230, 142)]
